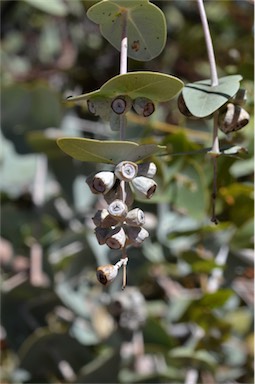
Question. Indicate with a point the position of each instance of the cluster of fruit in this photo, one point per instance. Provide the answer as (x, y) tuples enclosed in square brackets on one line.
[(118, 226), (112, 109)]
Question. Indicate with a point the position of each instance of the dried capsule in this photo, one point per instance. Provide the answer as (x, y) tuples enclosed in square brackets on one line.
[(103, 219), (136, 235), (121, 104), (143, 106), (135, 217), (116, 238), (233, 119), (147, 169), (126, 170), (118, 210), (144, 187), (102, 234), (101, 182), (106, 273)]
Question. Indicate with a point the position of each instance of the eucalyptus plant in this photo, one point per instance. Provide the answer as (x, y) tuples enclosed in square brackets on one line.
[(138, 30)]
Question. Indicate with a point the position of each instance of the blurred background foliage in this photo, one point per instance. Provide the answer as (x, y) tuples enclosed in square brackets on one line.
[(186, 315)]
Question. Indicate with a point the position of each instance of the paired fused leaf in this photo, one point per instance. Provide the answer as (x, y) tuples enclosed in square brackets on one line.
[(153, 85), (202, 99), (110, 152), (146, 26)]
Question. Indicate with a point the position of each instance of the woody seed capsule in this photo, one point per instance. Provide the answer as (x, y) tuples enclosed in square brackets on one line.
[(135, 217), (101, 234), (101, 182), (103, 219), (106, 273), (144, 187), (126, 170), (233, 119), (147, 169), (116, 238), (143, 106), (136, 235), (118, 210)]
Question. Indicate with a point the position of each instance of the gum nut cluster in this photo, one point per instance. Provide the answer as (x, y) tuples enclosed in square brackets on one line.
[(120, 105), (118, 225)]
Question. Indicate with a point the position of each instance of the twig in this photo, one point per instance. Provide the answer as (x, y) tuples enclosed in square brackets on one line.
[(214, 82), (209, 45), (125, 261), (124, 45), (123, 68)]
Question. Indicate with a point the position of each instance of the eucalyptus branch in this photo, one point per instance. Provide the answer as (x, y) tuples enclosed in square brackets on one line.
[(209, 45), (214, 82), (124, 45), (123, 68)]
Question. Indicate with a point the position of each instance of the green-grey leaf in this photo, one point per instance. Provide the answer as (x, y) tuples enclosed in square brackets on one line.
[(110, 152), (146, 26), (153, 85), (202, 99)]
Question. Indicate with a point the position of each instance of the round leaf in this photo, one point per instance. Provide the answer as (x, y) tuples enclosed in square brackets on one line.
[(153, 85), (110, 152), (146, 26), (202, 99)]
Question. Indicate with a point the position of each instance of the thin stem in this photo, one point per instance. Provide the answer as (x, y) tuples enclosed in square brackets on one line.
[(123, 68), (214, 82), (214, 193), (125, 261), (124, 45), (215, 152), (215, 144), (209, 45)]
